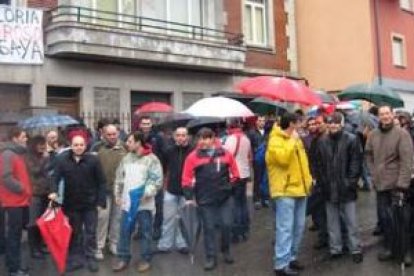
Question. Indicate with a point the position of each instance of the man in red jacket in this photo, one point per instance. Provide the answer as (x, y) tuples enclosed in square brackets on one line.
[(209, 174), (15, 195)]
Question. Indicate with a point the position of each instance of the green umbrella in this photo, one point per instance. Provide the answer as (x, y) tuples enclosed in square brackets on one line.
[(374, 93), (264, 106)]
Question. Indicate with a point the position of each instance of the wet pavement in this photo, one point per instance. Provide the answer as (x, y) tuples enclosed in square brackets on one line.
[(254, 257)]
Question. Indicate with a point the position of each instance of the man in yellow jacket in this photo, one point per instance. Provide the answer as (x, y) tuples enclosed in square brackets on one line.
[(290, 183)]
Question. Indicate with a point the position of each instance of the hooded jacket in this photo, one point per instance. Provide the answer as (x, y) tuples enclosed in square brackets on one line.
[(15, 186), (209, 175), (137, 171), (287, 166)]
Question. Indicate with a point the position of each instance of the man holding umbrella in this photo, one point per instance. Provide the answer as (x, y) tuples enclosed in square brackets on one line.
[(208, 175), (389, 153)]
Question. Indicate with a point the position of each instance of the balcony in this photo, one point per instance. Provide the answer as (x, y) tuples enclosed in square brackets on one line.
[(85, 33)]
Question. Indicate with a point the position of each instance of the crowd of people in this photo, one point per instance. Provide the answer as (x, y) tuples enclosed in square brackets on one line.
[(116, 187)]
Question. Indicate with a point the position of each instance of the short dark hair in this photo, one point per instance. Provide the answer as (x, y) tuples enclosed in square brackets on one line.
[(139, 136), (35, 141), (288, 118), (385, 106), (103, 122), (15, 132), (205, 132), (145, 117)]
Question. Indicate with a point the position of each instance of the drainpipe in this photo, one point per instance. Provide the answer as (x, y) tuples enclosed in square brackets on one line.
[(377, 41)]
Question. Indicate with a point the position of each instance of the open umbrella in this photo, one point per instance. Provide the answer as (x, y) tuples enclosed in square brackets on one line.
[(282, 89), (220, 107), (174, 120), (56, 233), (374, 93), (190, 227), (154, 107), (325, 97), (264, 106), (44, 121)]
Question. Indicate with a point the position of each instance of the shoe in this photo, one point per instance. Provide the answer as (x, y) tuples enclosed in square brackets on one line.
[(257, 205), (112, 249), (73, 266), (377, 231), (183, 251), (161, 251), (265, 203), (335, 256), (210, 264), (119, 266), (36, 254), (144, 266), (384, 256), (357, 258), (18, 273), (99, 255), (93, 265), (296, 265), (408, 260), (287, 271), (320, 245), (228, 258)]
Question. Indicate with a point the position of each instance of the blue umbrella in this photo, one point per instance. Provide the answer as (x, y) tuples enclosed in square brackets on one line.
[(135, 196), (44, 121)]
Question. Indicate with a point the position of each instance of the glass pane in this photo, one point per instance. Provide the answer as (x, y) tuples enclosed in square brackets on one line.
[(398, 51), (248, 24), (195, 12), (156, 10), (179, 14), (103, 7), (128, 11), (259, 26)]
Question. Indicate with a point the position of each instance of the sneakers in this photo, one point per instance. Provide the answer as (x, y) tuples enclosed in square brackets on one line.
[(144, 266), (228, 258), (257, 205), (287, 271), (119, 266), (385, 255), (296, 265), (210, 264)]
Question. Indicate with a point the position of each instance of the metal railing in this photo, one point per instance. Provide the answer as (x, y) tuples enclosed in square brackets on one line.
[(67, 13)]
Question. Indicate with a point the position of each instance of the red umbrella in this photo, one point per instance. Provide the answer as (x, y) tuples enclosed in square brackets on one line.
[(281, 89), (56, 232), (154, 107)]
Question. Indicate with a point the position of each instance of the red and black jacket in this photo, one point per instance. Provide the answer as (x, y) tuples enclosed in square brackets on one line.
[(209, 175)]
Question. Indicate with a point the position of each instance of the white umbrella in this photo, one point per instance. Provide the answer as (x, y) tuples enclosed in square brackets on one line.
[(220, 107)]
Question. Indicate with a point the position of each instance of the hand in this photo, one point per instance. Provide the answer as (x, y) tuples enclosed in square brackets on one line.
[(190, 202), (53, 196)]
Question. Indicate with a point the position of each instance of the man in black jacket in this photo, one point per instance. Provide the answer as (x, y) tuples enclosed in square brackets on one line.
[(84, 194), (340, 156), (173, 195)]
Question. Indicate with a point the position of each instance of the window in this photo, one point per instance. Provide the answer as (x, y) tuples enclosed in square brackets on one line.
[(4, 2), (20, 3), (407, 5), (255, 22), (398, 51)]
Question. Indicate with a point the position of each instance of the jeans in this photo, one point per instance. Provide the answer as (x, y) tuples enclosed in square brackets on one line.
[(241, 211), (290, 225), (258, 172), (210, 215), (171, 232), (144, 219), (108, 221), (384, 201), (83, 241), (346, 212), (2, 231), (15, 220)]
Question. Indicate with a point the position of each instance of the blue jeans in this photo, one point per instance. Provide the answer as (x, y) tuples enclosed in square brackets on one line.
[(290, 225), (366, 176), (144, 219), (241, 210)]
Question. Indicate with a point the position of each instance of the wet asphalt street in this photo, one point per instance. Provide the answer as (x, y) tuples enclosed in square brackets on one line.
[(254, 257)]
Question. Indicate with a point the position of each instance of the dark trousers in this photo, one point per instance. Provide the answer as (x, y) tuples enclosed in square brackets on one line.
[(2, 231), (83, 241), (384, 201), (319, 218), (258, 172), (36, 209), (15, 218), (159, 202), (210, 215), (241, 211)]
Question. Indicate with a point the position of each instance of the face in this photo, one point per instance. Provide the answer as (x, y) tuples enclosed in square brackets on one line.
[(334, 127), (111, 134), (41, 148), (78, 145), (181, 136), (385, 115), (313, 126), (21, 139), (132, 145), (145, 125), (51, 137), (260, 123), (206, 143)]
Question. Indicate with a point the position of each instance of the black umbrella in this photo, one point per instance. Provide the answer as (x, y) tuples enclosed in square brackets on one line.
[(172, 121), (190, 226), (211, 122)]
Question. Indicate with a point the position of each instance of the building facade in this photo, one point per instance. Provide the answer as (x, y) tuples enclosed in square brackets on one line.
[(357, 41), (110, 56)]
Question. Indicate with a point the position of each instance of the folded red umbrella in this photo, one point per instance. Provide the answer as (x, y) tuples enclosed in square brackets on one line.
[(281, 89), (56, 232)]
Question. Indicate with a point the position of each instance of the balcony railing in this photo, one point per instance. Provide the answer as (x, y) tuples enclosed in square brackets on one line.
[(114, 20)]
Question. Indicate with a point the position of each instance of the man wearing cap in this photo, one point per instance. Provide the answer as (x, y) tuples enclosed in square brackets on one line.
[(340, 155)]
